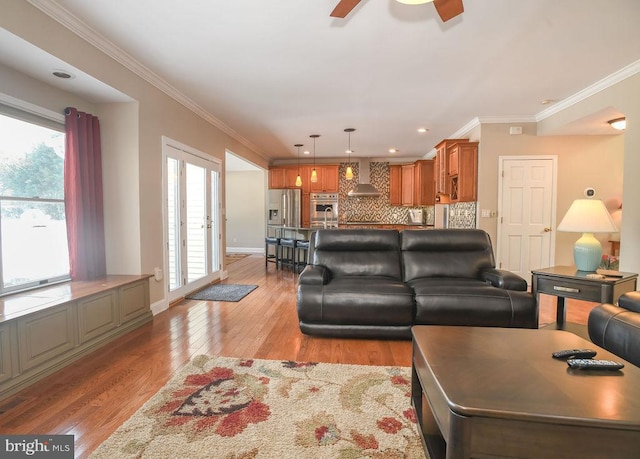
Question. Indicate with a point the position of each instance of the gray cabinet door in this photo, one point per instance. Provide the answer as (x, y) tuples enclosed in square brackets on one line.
[(45, 335), (134, 300), (97, 315)]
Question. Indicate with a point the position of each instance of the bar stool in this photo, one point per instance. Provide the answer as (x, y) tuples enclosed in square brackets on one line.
[(271, 258), (288, 253), (302, 250)]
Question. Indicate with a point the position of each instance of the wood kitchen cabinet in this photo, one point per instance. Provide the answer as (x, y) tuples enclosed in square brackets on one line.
[(306, 210), (423, 184), (463, 171), (408, 171), (441, 167), (277, 178), (395, 185), (327, 179)]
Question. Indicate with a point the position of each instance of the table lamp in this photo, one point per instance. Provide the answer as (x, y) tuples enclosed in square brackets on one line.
[(587, 216)]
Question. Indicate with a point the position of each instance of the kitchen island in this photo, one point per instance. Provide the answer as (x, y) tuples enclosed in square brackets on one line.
[(303, 233)]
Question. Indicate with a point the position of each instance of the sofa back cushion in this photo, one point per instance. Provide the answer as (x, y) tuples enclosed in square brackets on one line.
[(358, 252), (457, 253)]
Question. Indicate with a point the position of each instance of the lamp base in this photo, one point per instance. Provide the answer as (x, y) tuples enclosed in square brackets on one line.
[(587, 253)]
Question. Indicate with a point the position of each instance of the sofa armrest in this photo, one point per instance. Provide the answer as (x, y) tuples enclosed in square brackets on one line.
[(630, 301), (503, 279), (313, 275)]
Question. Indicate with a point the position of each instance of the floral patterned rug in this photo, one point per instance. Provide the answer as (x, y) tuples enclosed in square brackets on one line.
[(241, 409)]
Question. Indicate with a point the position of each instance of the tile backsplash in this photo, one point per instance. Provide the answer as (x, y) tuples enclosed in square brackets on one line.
[(378, 209)]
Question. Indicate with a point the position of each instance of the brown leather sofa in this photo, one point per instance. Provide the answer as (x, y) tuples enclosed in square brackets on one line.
[(379, 283), (617, 328)]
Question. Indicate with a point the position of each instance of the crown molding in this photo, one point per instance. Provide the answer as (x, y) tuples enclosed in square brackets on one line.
[(589, 91), (52, 9)]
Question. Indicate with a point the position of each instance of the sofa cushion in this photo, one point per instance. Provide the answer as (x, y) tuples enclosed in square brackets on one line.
[(367, 301), (459, 253), (455, 301), (358, 252)]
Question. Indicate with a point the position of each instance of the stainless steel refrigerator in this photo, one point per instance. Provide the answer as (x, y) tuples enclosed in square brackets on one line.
[(284, 208)]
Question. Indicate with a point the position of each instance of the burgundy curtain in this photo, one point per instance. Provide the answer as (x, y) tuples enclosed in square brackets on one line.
[(83, 196)]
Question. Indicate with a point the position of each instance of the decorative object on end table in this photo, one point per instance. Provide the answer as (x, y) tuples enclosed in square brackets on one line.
[(587, 216)]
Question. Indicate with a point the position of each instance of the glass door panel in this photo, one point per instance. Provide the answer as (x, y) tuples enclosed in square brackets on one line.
[(173, 223), (192, 221), (196, 234)]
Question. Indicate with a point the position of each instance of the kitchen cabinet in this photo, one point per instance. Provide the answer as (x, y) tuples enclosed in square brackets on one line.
[(306, 210), (327, 179), (463, 171), (277, 178), (395, 185), (441, 168), (423, 184), (408, 171), (284, 177)]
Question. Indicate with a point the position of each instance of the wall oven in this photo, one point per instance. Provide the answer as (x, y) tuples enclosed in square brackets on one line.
[(324, 210)]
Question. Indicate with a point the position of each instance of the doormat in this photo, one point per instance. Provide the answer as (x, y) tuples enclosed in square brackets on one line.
[(222, 292)]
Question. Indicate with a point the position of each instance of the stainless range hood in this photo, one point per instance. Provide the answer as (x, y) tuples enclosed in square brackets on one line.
[(363, 188)]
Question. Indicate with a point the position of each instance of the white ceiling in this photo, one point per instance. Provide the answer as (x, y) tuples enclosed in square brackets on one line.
[(276, 71)]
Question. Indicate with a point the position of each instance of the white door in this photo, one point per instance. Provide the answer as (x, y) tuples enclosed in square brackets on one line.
[(526, 198), (192, 224)]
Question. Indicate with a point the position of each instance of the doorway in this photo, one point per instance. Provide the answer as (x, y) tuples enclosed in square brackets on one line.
[(527, 207), (191, 219)]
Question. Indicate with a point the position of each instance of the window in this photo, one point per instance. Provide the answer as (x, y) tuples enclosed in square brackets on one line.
[(33, 233)]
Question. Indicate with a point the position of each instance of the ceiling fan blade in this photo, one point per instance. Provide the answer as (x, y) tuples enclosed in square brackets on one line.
[(448, 9), (343, 8)]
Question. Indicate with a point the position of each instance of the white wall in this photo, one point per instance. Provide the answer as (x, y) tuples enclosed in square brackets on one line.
[(246, 211)]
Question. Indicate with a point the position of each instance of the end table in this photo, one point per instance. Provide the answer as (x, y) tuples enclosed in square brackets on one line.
[(567, 282)]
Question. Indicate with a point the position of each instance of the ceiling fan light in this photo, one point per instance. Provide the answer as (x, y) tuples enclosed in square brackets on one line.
[(619, 123)]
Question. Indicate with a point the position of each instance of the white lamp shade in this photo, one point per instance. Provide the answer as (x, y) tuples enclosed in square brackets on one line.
[(587, 216)]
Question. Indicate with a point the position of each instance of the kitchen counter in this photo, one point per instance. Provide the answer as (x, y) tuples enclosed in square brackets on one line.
[(294, 232)]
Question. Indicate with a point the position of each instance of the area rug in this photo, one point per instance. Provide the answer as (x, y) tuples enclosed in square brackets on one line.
[(227, 408), (222, 292)]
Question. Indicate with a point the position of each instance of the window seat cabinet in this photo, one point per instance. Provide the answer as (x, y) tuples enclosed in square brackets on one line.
[(44, 330)]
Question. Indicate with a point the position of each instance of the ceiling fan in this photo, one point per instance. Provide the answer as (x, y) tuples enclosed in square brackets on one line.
[(447, 9)]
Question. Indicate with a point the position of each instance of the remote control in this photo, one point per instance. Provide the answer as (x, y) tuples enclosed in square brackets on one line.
[(591, 364), (574, 354)]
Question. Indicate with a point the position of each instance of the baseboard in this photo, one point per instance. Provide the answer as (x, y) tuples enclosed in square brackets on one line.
[(245, 250), (159, 306)]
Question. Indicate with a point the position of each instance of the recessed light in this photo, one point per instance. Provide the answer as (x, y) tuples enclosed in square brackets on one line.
[(393, 150), (306, 152), (62, 74), (422, 130), (548, 101), (619, 123)]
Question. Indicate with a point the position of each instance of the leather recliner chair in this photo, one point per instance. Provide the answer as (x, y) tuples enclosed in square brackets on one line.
[(617, 328)]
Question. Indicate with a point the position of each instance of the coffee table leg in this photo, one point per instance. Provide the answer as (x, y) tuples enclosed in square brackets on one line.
[(560, 311), (430, 434)]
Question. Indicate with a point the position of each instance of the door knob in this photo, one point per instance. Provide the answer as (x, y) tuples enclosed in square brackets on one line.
[(547, 230)]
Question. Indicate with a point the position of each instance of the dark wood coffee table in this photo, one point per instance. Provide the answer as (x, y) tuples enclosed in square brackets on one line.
[(486, 392)]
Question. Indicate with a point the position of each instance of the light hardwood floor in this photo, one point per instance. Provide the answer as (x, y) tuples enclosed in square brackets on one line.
[(95, 395)]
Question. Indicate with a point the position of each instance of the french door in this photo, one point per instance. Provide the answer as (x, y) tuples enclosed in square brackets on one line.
[(192, 224)]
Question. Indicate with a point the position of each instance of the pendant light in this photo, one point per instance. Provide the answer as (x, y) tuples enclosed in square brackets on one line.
[(314, 174), (349, 173), (298, 178)]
